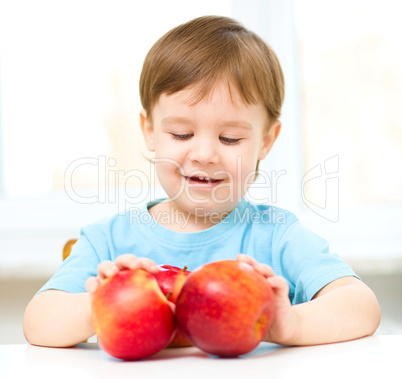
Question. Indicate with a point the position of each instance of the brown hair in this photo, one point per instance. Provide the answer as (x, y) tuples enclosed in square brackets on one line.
[(205, 50)]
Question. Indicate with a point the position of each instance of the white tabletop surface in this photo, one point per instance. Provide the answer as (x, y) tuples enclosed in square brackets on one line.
[(371, 357)]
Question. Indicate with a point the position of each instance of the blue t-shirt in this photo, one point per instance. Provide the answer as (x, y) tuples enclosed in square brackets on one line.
[(269, 234)]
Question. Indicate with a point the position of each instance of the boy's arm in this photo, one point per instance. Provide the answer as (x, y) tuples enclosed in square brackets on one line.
[(58, 319), (344, 309)]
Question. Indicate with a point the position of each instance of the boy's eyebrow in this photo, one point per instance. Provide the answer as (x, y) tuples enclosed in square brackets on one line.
[(175, 120), (168, 120), (238, 124)]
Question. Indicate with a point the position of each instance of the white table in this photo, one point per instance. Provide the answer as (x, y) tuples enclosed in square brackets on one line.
[(371, 357)]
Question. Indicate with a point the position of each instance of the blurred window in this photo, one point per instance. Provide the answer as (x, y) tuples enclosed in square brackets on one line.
[(69, 88), (351, 90)]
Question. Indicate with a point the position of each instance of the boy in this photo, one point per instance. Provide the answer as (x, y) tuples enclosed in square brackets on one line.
[(212, 92)]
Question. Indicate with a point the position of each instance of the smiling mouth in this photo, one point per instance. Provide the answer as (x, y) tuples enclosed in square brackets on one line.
[(202, 179)]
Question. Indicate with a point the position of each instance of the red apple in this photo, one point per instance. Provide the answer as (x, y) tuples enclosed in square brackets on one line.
[(171, 280), (225, 308), (131, 315)]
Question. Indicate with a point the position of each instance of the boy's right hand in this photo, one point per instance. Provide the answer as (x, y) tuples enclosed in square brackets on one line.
[(123, 262)]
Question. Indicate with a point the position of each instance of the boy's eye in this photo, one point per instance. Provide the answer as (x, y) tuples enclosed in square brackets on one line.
[(181, 137), (225, 140), (230, 141)]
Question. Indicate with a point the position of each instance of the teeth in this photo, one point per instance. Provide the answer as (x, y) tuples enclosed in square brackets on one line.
[(201, 178)]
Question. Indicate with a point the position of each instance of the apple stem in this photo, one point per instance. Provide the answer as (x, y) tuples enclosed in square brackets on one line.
[(169, 294), (184, 269)]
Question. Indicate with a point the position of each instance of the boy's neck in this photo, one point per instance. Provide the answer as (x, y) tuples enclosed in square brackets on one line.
[(166, 214)]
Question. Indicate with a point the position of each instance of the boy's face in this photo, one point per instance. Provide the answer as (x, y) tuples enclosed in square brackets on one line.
[(206, 153)]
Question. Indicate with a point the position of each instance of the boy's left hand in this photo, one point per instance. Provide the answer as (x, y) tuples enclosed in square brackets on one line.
[(284, 324)]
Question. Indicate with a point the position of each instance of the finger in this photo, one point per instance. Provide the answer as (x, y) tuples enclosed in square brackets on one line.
[(279, 285), (147, 265), (106, 269), (246, 258), (264, 269), (125, 261), (129, 261), (92, 284)]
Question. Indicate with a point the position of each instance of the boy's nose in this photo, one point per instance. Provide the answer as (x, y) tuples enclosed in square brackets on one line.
[(203, 152)]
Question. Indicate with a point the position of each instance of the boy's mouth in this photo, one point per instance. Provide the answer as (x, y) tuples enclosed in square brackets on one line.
[(202, 179)]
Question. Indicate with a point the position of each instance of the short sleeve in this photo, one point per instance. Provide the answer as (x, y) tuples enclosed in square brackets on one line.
[(306, 263), (72, 274)]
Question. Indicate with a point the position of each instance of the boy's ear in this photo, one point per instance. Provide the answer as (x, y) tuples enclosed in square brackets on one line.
[(269, 138), (147, 130)]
